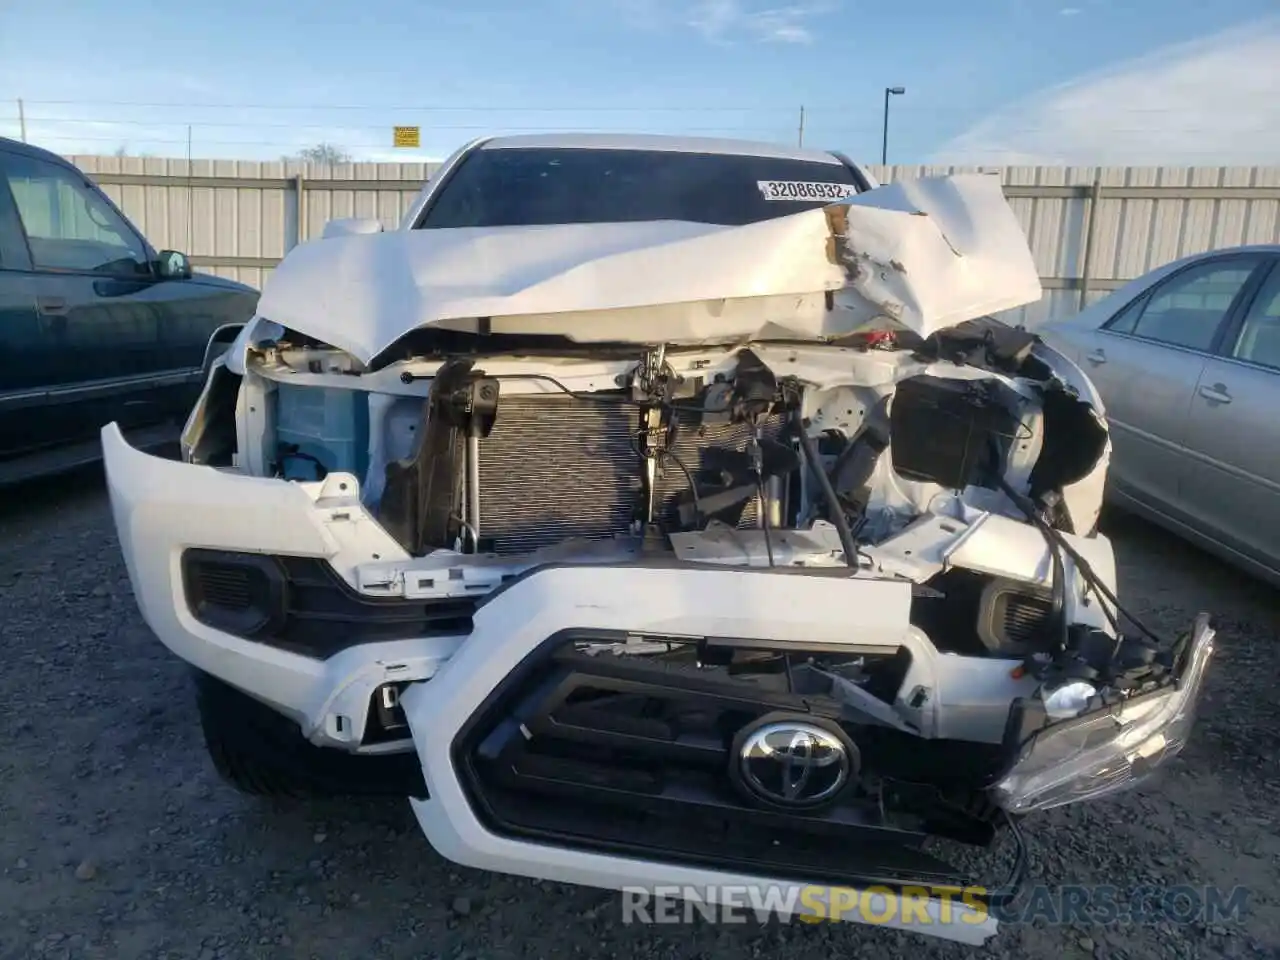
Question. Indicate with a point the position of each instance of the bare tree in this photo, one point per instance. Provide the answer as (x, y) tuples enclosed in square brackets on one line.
[(326, 153)]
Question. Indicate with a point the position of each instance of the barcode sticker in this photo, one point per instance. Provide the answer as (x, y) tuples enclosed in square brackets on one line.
[(799, 190)]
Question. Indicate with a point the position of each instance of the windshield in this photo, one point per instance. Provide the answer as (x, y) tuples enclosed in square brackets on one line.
[(523, 187)]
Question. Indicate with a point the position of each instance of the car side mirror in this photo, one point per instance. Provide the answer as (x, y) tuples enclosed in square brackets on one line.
[(350, 227), (172, 265)]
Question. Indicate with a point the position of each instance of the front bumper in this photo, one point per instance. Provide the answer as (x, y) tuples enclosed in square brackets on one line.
[(470, 821), (162, 508)]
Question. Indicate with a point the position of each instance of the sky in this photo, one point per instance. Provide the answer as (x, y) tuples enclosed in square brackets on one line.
[(1078, 82)]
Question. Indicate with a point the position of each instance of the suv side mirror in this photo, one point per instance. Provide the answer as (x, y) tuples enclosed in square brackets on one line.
[(172, 265)]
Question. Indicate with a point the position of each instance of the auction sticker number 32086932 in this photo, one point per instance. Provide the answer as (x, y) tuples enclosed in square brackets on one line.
[(802, 190)]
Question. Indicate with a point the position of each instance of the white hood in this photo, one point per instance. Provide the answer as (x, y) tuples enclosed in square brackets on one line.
[(925, 254)]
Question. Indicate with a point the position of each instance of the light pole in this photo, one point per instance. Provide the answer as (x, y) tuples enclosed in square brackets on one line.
[(884, 148)]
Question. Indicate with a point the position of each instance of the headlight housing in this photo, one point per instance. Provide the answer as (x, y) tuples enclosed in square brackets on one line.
[(1109, 749)]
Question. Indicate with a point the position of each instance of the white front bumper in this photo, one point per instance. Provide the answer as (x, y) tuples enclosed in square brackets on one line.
[(511, 625), (163, 507)]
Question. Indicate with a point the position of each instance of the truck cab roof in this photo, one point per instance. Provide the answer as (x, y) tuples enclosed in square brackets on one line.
[(669, 144)]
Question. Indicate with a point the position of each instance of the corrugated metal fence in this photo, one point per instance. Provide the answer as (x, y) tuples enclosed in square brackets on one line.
[(1090, 228)]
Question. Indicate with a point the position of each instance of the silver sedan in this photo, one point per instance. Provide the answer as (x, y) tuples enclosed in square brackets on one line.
[(1187, 360)]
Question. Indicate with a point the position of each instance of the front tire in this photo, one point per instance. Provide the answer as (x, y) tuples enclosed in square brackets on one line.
[(262, 753)]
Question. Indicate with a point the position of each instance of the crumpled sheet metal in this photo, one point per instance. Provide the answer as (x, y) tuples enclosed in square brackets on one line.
[(924, 254)]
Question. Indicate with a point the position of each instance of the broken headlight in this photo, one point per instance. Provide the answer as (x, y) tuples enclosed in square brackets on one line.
[(1111, 748)]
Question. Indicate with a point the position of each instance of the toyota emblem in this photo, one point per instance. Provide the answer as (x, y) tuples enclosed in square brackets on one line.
[(792, 763)]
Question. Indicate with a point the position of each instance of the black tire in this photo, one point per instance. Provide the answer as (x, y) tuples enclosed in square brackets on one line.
[(263, 754)]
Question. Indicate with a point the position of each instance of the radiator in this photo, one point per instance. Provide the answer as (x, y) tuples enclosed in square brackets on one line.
[(554, 468)]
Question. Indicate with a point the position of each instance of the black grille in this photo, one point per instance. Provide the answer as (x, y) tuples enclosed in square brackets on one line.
[(240, 594), (560, 467), (300, 604), (633, 755), (226, 585)]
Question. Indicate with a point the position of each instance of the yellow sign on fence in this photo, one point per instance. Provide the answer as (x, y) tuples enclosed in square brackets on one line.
[(408, 137)]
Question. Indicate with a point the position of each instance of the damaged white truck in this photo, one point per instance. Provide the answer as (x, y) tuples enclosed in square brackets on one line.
[(661, 512)]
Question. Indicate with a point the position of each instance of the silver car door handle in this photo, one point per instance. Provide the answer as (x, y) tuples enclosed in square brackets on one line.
[(1096, 356), (1217, 393)]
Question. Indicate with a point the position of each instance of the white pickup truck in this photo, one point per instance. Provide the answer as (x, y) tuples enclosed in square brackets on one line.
[(654, 511)]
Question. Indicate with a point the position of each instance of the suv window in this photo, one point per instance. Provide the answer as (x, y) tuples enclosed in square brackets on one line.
[(522, 187), (13, 245), (1187, 309), (69, 226), (1259, 340)]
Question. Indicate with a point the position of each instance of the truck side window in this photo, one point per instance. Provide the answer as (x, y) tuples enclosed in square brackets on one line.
[(13, 245), (69, 226)]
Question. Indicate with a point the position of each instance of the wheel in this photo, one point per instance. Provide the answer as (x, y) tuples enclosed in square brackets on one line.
[(263, 754)]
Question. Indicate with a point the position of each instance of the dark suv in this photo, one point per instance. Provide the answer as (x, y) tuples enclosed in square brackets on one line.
[(95, 325)]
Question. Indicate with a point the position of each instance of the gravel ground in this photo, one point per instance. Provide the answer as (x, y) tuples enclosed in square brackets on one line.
[(118, 841)]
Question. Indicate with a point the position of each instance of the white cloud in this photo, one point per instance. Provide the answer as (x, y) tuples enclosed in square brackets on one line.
[(728, 21), (782, 24), (638, 14), (1211, 102), (1068, 11), (713, 18)]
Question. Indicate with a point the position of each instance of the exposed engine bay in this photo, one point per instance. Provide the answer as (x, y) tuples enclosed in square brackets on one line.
[(656, 442), (945, 463)]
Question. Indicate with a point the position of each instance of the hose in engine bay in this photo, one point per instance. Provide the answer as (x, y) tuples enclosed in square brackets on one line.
[(834, 512)]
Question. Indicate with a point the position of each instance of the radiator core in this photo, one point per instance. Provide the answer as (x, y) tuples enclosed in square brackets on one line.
[(554, 468)]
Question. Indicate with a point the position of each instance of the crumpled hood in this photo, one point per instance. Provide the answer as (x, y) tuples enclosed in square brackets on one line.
[(924, 254)]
